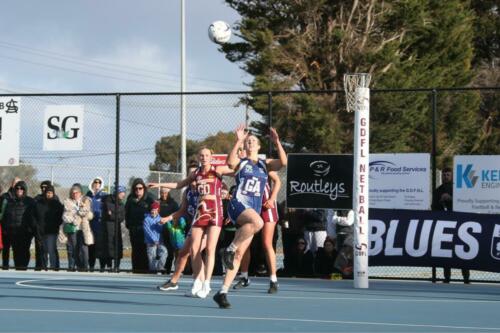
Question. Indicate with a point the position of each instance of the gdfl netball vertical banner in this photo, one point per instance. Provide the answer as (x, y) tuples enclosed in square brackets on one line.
[(63, 129), (10, 123)]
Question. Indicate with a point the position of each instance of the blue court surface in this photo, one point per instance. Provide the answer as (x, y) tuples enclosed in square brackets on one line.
[(79, 302)]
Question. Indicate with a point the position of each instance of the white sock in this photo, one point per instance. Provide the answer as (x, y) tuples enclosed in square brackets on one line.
[(224, 289), (206, 285), (232, 247), (274, 278), (244, 275)]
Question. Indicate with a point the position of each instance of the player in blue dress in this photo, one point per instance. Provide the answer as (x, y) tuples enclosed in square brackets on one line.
[(245, 207)]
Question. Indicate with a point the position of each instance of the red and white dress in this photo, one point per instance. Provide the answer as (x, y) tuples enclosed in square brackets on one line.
[(268, 214), (209, 209)]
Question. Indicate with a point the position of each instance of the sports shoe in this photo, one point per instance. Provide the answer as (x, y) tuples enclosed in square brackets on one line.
[(242, 283), (204, 291), (227, 258), (195, 289), (221, 300), (169, 285), (273, 288)]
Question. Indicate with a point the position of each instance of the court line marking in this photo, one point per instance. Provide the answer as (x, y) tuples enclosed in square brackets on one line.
[(25, 283), (345, 322)]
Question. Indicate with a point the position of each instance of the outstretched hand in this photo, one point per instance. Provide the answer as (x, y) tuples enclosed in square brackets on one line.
[(274, 135), (241, 132)]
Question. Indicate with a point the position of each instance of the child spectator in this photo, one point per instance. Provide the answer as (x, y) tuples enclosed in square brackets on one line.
[(153, 237), (176, 230)]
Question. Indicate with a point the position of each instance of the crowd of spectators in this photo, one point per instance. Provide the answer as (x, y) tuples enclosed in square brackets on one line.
[(89, 225)]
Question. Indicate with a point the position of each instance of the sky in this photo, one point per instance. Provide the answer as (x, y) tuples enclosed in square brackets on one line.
[(111, 46)]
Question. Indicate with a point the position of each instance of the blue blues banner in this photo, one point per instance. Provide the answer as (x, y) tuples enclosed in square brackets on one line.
[(434, 238)]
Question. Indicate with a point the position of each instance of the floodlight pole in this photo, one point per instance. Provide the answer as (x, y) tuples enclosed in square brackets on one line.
[(183, 89), (360, 196)]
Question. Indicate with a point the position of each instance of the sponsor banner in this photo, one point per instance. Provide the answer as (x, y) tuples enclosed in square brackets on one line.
[(400, 181), (63, 127), (218, 159), (319, 181), (10, 124), (476, 186), (434, 238)]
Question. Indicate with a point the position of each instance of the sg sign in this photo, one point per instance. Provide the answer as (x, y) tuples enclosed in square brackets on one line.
[(63, 127)]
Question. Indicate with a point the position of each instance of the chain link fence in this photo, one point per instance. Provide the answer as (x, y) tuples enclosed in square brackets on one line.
[(148, 126)]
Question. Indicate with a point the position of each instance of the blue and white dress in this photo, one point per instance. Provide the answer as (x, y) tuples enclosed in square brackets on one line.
[(251, 179)]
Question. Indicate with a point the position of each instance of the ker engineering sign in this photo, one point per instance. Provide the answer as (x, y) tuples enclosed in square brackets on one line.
[(477, 184), (319, 181)]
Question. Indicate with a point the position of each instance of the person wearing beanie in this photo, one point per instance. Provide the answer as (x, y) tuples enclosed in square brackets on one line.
[(153, 238), (39, 251), (18, 218), (6, 237), (49, 211)]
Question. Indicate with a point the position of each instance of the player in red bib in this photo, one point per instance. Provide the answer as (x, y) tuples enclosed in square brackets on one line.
[(207, 219), (269, 214)]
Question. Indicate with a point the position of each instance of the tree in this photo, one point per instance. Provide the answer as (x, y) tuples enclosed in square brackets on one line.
[(310, 45)]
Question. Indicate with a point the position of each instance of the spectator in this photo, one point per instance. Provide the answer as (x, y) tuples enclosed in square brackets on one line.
[(111, 219), (138, 204), (153, 237), (324, 262), (340, 226), (177, 236), (301, 263), (292, 229), (49, 211), (442, 200), (40, 252), (19, 222), (315, 228), (6, 238), (76, 231), (168, 206), (96, 194)]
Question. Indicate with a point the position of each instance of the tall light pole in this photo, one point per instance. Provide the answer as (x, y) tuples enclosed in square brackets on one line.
[(183, 90)]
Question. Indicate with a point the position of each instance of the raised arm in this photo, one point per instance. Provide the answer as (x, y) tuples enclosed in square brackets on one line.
[(232, 159), (277, 164), (174, 185)]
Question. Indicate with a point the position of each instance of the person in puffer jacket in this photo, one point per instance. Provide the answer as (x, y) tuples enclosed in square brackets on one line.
[(18, 215)]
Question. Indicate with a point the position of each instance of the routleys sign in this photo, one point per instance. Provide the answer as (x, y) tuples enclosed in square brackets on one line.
[(434, 238), (319, 181), (63, 129), (476, 187), (400, 181)]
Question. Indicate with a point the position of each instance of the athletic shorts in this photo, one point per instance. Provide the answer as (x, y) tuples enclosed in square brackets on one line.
[(208, 213), (236, 207)]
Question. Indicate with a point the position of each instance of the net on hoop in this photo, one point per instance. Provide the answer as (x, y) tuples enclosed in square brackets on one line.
[(351, 82)]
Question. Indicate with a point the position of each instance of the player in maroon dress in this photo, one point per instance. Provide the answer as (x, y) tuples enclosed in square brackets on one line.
[(207, 220)]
